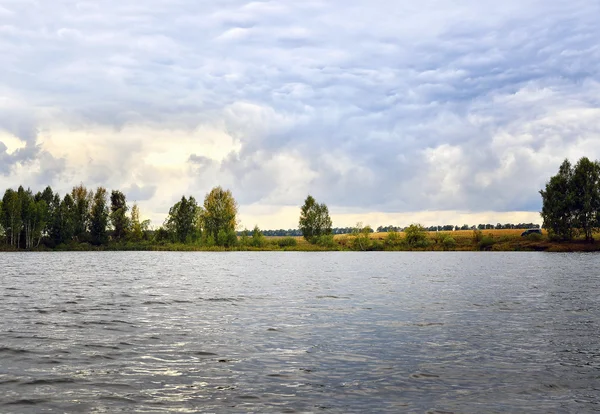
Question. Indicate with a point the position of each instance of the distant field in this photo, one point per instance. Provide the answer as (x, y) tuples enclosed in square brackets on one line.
[(458, 235), (462, 234), (497, 240)]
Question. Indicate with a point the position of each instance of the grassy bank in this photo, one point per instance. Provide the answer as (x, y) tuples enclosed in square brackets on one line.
[(462, 240)]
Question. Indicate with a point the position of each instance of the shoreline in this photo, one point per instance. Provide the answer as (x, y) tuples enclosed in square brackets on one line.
[(518, 246)]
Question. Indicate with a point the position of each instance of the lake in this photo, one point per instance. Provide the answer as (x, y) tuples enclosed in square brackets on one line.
[(299, 332)]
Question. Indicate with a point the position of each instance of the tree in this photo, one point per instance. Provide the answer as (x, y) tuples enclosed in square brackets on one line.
[(314, 220), (258, 239), (48, 197), (82, 199), (1, 222), (27, 210), (118, 214), (586, 196), (40, 217), (220, 215), (11, 216), (361, 240), (558, 203), (416, 235), (136, 226), (99, 217), (62, 227), (182, 222)]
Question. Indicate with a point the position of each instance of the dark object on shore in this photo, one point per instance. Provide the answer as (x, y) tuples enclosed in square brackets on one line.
[(531, 231)]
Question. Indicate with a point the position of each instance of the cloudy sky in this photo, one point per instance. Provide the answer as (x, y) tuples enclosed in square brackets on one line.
[(390, 112)]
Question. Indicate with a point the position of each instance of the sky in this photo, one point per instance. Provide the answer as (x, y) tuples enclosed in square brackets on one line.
[(389, 112)]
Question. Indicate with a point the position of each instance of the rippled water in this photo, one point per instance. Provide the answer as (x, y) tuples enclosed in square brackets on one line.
[(299, 332)]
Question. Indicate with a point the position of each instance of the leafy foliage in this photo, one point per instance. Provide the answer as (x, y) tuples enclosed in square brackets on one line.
[(314, 220), (99, 217), (416, 236), (182, 221), (361, 240), (258, 239), (220, 215), (571, 200), (287, 242), (118, 215)]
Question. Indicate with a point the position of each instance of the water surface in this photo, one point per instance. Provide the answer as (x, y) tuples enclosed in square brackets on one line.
[(299, 332)]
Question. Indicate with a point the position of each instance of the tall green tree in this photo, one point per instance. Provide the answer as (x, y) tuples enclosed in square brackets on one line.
[(362, 240), (182, 220), (219, 216), (99, 217), (62, 226), (27, 216), (558, 203), (314, 220), (82, 198), (136, 225), (2, 234), (118, 214), (48, 197), (585, 184), (11, 216)]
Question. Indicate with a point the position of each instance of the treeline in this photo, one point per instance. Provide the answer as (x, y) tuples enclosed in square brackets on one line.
[(31, 220), (450, 227), (298, 232), (571, 201), (96, 217), (390, 228), (28, 220)]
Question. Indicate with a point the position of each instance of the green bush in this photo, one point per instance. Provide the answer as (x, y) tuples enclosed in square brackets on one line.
[(226, 238), (449, 243), (325, 240), (536, 237), (485, 243), (258, 239), (416, 236), (393, 239), (245, 238), (287, 242), (477, 236)]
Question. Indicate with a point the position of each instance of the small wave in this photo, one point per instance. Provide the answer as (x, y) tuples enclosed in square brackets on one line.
[(27, 401), (332, 297), (222, 299), (120, 321), (421, 375), (98, 356), (204, 353), (154, 302), (14, 351), (109, 385), (117, 398), (49, 381), (101, 346)]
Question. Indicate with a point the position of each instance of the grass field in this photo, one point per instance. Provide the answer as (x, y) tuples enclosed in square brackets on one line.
[(464, 240), (461, 240)]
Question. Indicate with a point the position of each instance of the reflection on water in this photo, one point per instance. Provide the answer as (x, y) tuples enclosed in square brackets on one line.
[(298, 332)]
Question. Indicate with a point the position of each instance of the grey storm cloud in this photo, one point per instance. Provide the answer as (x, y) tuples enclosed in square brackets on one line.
[(393, 105)]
